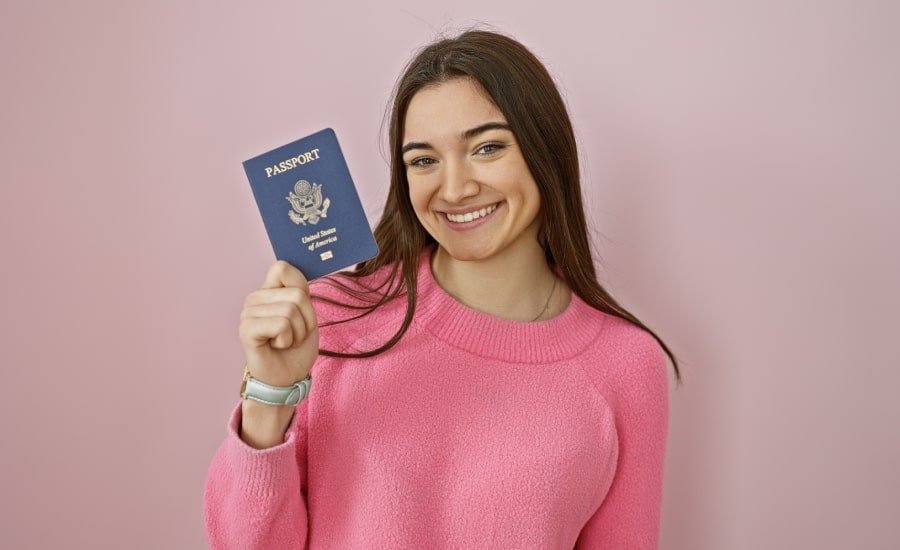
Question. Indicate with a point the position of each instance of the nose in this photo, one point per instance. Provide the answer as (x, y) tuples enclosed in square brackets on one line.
[(458, 182)]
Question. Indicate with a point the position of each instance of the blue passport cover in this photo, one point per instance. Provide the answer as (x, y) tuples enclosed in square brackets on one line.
[(309, 205)]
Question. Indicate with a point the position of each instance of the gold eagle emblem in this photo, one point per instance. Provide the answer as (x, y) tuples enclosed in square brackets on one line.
[(307, 203)]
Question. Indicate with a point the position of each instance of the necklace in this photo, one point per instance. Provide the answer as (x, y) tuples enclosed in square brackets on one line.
[(547, 305)]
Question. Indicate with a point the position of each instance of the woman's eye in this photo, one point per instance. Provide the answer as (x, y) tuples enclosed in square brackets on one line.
[(421, 162), (489, 149)]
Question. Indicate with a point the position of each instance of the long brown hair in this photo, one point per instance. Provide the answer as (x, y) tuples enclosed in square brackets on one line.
[(525, 93)]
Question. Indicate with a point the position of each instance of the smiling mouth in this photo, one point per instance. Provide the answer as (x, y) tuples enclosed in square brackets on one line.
[(471, 216)]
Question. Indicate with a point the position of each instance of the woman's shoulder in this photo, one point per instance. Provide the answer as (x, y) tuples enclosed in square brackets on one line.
[(626, 338), (623, 354)]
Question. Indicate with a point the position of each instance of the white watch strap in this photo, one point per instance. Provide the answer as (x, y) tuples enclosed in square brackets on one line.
[(276, 395)]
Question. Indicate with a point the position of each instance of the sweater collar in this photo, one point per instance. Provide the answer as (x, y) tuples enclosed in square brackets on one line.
[(490, 337)]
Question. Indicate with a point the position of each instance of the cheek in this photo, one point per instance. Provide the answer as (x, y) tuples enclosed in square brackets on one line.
[(532, 196), (419, 198), (421, 191), (537, 200)]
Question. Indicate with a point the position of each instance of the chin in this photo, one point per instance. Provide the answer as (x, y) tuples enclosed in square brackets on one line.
[(466, 253)]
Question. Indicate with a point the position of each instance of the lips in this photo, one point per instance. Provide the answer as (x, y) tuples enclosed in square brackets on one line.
[(471, 216)]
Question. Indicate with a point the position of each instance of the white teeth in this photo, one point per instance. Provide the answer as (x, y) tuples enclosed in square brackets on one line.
[(471, 216)]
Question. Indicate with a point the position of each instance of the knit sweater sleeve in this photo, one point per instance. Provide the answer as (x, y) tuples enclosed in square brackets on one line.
[(629, 517), (256, 499)]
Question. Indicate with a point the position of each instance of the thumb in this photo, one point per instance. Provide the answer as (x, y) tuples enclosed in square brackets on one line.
[(283, 274)]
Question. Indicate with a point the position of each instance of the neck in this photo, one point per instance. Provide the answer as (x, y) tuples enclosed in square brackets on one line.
[(520, 288)]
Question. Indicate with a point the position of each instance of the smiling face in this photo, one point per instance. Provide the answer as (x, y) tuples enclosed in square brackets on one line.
[(468, 181)]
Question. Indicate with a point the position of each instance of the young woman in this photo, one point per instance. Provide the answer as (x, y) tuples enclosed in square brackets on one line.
[(475, 386)]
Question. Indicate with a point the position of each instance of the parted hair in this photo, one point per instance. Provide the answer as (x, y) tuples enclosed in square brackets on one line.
[(524, 91)]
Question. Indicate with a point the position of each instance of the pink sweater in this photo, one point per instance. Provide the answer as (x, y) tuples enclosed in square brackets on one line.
[(472, 432)]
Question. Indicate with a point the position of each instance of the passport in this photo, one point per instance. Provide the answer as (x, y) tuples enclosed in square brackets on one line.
[(309, 205)]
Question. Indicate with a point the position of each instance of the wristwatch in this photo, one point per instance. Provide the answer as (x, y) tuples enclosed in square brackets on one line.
[(251, 388)]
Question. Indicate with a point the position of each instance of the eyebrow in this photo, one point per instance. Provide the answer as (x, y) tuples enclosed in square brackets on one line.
[(468, 134)]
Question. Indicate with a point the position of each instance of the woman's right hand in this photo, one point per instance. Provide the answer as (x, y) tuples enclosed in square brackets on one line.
[(280, 336), (279, 330)]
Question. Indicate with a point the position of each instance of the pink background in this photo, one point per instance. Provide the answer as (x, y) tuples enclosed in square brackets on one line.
[(742, 165)]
